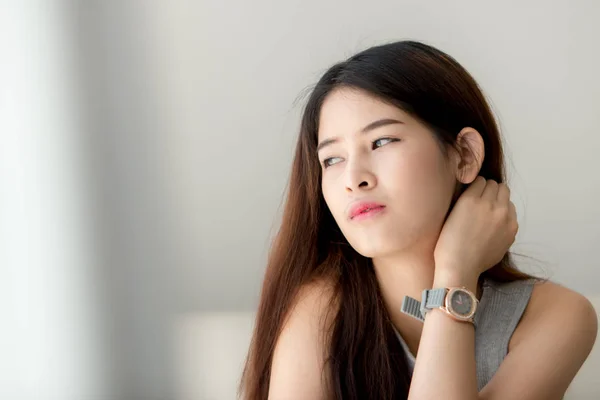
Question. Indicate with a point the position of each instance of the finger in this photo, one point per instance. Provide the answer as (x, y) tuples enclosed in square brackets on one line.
[(512, 211), (503, 193), (513, 217), (491, 190), (477, 186)]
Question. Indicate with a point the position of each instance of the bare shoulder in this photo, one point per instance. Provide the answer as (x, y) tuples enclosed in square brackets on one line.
[(554, 305), (563, 311), (312, 300), (300, 351)]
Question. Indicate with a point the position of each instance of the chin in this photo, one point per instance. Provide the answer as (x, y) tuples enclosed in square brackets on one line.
[(372, 249)]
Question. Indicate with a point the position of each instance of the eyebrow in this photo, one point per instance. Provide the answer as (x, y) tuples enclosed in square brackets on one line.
[(372, 126)]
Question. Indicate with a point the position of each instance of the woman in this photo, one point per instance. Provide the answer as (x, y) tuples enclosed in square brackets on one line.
[(397, 188)]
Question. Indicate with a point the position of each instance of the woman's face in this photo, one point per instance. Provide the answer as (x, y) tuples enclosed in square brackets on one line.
[(396, 164)]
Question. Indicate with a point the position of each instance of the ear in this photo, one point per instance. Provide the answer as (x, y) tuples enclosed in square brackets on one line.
[(470, 152)]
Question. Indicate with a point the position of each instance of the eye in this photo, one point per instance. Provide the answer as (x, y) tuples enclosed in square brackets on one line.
[(384, 139), (328, 162)]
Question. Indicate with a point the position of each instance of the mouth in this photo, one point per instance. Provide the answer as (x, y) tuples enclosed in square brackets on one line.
[(365, 210)]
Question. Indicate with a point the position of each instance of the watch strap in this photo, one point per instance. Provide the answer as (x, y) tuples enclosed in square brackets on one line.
[(432, 298), (412, 307)]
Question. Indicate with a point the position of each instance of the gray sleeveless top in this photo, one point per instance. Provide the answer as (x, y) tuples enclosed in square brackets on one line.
[(498, 313)]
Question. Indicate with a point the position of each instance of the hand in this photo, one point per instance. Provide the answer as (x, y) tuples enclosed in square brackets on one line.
[(479, 230)]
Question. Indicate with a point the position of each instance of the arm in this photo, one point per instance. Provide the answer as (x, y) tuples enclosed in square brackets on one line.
[(557, 333), (299, 355), (445, 363)]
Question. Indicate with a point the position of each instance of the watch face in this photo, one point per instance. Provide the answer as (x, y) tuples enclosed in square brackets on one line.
[(461, 302)]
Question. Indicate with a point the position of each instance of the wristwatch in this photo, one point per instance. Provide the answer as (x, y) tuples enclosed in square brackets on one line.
[(458, 302)]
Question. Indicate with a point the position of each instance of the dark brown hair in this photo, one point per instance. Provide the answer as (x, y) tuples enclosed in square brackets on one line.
[(366, 359)]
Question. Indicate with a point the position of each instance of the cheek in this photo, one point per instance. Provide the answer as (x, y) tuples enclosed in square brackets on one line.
[(410, 174), (419, 183)]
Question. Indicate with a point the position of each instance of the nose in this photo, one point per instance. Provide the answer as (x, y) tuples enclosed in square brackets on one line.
[(359, 178)]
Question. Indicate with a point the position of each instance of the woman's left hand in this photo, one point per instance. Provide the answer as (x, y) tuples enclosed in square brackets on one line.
[(479, 230)]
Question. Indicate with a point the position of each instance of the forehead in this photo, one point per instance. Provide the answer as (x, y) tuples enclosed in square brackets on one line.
[(347, 110)]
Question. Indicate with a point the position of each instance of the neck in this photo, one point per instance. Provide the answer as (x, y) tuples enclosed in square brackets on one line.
[(404, 274)]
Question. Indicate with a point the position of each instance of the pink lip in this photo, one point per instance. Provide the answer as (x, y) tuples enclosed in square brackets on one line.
[(364, 210)]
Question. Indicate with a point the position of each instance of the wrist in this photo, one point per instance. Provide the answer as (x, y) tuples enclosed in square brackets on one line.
[(446, 277)]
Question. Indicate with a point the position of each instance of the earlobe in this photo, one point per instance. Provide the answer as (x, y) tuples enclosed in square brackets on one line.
[(471, 152)]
